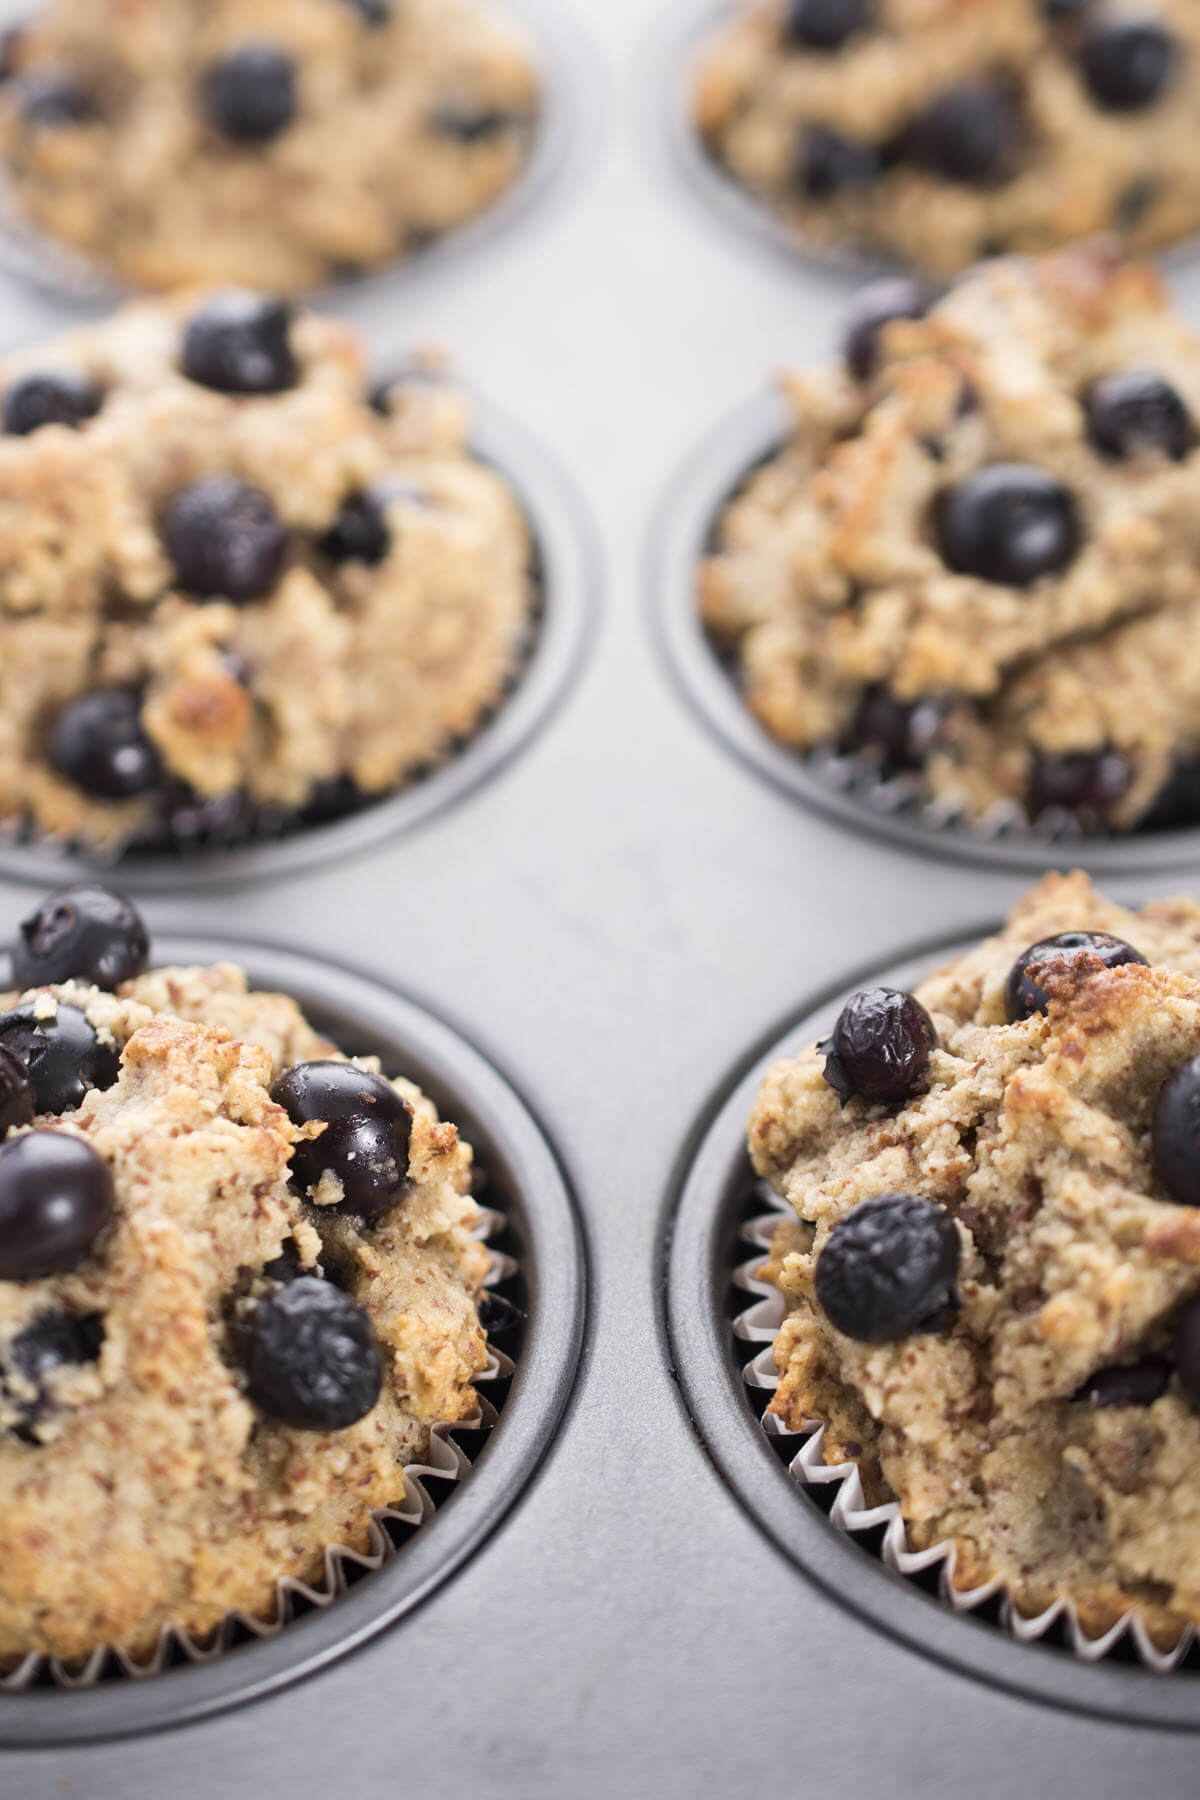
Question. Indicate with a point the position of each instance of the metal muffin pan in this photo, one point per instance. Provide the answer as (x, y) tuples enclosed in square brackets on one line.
[(705, 1250), (565, 605), (524, 1181), (613, 917)]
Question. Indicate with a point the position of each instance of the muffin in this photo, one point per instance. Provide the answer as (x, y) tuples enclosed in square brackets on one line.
[(940, 131), (992, 1278), (238, 1289), (276, 143), (239, 590), (974, 560)]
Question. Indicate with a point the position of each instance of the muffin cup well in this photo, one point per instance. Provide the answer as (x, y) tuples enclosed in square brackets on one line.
[(564, 569), (476, 1468), (566, 130), (837, 1489), (848, 787)]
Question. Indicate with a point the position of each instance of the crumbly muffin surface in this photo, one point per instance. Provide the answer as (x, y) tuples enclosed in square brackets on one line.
[(945, 130), (358, 130), (350, 666), (1035, 1136), (142, 1486), (831, 580)]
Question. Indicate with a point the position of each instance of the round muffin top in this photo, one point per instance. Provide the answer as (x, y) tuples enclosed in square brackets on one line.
[(238, 1287), (280, 143), (974, 560), (993, 1276), (940, 131), (237, 583)]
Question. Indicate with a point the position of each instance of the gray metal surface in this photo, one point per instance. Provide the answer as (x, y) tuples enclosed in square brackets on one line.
[(617, 918)]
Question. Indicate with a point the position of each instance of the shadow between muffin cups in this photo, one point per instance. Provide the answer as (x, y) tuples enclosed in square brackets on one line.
[(565, 134), (476, 1470), (720, 1320), (565, 568), (847, 787)]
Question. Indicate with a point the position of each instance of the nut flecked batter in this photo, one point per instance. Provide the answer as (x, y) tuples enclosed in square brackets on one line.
[(1047, 1420), (277, 143), (141, 1483)]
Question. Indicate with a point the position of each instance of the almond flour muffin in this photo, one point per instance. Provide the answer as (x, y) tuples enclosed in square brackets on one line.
[(237, 590), (279, 143), (939, 131), (974, 561), (238, 1287), (993, 1275)]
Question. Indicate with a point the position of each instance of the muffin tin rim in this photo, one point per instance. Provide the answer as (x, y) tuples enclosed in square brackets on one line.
[(699, 1249), (570, 577), (709, 478), (569, 130), (412, 1036)]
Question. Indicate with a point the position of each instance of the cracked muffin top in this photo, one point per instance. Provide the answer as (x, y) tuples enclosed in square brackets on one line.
[(939, 131), (278, 143), (240, 588), (238, 1288), (993, 1274), (974, 560)]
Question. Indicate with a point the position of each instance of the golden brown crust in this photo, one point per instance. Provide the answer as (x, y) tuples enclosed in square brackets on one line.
[(1036, 1137), (1075, 169), (148, 1490), (146, 189), (828, 580)]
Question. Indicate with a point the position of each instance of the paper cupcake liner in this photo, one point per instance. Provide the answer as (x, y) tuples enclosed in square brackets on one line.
[(837, 1488), (388, 1529)]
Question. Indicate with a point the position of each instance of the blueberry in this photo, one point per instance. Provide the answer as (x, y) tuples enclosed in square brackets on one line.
[(1086, 782), (240, 343), (1023, 996), (1178, 800), (1138, 411), (373, 12), (1008, 523), (469, 124), (84, 933), (62, 1055), (1175, 1137), (97, 742), (56, 398), (1059, 10), (903, 732), (880, 1047), (54, 98), (824, 24), (53, 1340), (876, 305), (826, 163), (360, 532), (365, 1142), (250, 95), (1187, 1347), (311, 1357), (1128, 64), (890, 1269), (1127, 1384), (16, 1092), (56, 1196), (966, 134), (226, 540)]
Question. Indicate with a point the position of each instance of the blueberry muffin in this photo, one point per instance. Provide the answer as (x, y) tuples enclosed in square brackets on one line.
[(277, 143), (939, 131), (239, 590), (238, 1288), (993, 1274), (973, 563)]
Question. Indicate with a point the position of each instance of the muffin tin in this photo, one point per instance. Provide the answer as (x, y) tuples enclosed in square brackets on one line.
[(629, 1594)]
